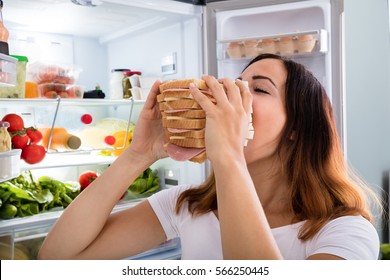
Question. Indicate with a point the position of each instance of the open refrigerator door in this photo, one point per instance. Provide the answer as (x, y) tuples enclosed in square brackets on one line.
[(309, 32)]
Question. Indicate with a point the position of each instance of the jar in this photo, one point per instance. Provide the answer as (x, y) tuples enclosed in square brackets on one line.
[(126, 82), (17, 91), (116, 87), (5, 138)]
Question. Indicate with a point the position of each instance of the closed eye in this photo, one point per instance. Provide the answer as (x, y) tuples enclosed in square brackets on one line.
[(260, 90)]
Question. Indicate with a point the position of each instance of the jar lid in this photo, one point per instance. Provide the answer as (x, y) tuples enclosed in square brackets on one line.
[(129, 73), (20, 57), (119, 70), (4, 124)]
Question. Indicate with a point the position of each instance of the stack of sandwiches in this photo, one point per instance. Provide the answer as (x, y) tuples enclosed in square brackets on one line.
[(184, 120)]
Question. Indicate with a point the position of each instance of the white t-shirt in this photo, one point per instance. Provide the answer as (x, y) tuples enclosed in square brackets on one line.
[(349, 237)]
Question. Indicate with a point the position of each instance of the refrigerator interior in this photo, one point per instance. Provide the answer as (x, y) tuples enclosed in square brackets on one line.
[(119, 34), (276, 22)]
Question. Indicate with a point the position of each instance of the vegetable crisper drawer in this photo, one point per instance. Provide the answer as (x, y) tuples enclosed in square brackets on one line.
[(22, 243)]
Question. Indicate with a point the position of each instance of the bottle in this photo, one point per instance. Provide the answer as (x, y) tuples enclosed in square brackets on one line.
[(116, 87), (61, 139), (5, 138), (126, 84), (3, 33)]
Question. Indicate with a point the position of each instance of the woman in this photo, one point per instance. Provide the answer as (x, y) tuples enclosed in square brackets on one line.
[(286, 195)]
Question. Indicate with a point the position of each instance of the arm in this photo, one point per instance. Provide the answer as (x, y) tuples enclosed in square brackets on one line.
[(245, 231), (86, 229)]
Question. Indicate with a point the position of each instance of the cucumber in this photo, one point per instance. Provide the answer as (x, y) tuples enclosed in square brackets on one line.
[(8, 211)]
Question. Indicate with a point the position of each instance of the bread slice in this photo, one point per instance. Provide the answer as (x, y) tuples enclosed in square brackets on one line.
[(179, 104), (184, 123), (200, 158), (185, 83), (191, 114), (188, 142), (193, 133)]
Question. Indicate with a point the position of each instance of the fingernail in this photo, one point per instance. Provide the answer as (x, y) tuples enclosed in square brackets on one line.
[(192, 85)]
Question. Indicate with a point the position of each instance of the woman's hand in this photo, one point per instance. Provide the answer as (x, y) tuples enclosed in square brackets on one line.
[(228, 119), (148, 137)]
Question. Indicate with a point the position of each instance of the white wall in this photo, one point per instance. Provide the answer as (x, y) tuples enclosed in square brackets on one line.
[(92, 56), (145, 51), (367, 60)]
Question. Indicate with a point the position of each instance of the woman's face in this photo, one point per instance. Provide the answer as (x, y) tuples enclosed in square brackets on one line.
[(267, 81)]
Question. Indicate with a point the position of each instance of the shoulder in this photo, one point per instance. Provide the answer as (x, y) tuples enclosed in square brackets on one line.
[(171, 193), (166, 199), (349, 237)]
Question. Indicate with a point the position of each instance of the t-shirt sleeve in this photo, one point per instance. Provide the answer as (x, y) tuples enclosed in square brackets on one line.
[(163, 204), (349, 237)]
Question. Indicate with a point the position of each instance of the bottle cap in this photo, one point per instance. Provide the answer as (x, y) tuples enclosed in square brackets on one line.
[(73, 142), (4, 124)]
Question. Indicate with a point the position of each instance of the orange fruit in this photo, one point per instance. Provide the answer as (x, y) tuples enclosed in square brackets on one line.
[(119, 145)]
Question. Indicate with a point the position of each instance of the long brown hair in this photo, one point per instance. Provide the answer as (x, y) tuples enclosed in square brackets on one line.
[(320, 184)]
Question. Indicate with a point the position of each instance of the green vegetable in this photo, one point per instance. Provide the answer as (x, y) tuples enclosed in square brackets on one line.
[(8, 211), (145, 183), (385, 250), (30, 197)]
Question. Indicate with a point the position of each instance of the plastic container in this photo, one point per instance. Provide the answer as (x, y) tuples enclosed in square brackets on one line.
[(44, 73), (9, 164), (8, 67), (18, 90), (5, 138), (53, 90)]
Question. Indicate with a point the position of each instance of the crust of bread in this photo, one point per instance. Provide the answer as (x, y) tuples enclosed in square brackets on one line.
[(195, 133), (191, 114), (179, 104), (184, 123), (184, 83), (189, 142), (200, 158), (172, 95)]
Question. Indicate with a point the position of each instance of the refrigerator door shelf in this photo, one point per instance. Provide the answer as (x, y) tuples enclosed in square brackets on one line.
[(287, 44)]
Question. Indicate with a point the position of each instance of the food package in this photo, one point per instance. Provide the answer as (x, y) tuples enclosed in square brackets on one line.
[(43, 73)]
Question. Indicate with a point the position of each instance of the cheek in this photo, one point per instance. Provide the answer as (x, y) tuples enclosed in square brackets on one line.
[(268, 119)]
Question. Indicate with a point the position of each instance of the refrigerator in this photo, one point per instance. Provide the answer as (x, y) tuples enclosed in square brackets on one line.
[(171, 40)]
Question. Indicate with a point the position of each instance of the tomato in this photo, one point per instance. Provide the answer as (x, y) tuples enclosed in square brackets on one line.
[(109, 140), (16, 122), (86, 119), (20, 140), (33, 153), (34, 134), (86, 178)]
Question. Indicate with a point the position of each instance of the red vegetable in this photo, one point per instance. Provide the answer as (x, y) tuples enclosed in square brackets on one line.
[(16, 122), (86, 178), (34, 134), (109, 140), (20, 140), (33, 153), (86, 118)]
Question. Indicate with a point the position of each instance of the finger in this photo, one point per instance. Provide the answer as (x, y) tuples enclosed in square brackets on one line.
[(216, 88), (151, 100), (201, 98), (232, 90), (246, 95)]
